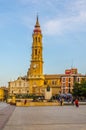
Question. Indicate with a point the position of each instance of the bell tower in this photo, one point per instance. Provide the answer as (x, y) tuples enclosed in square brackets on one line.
[(35, 72)]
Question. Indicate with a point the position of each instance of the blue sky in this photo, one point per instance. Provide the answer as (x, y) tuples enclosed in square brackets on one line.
[(63, 24)]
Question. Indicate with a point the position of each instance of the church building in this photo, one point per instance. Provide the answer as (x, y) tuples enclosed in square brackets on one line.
[(35, 81)]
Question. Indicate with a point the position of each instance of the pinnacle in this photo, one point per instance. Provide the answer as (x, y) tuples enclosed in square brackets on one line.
[(37, 22)]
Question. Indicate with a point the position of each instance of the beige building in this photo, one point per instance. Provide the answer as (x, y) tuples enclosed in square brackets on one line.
[(19, 86)]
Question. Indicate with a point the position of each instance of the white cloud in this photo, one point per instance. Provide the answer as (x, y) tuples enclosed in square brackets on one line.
[(80, 5), (59, 26), (51, 27), (73, 21)]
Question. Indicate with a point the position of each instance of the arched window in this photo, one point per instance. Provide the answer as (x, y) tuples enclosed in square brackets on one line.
[(48, 88), (36, 39), (35, 51), (39, 39)]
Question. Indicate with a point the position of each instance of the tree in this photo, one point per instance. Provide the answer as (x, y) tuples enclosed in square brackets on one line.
[(79, 89), (83, 84)]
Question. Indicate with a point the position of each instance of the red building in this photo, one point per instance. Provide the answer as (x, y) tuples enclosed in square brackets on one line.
[(69, 78)]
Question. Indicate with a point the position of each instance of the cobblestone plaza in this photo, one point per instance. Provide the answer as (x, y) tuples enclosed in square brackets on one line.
[(42, 118)]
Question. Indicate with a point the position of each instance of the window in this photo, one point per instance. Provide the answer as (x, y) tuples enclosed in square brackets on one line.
[(20, 83), (39, 51), (35, 51), (48, 89), (69, 87), (69, 79), (54, 82), (78, 79), (45, 82), (36, 39), (39, 39), (63, 79), (63, 85), (63, 90)]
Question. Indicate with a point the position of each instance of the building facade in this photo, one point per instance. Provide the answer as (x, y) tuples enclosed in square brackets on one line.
[(35, 72), (68, 79), (3, 93), (53, 81), (19, 86), (35, 82)]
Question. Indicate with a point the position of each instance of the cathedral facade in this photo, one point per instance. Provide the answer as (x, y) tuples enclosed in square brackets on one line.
[(35, 82)]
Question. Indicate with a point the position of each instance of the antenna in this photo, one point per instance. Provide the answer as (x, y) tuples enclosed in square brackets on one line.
[(72, 64)]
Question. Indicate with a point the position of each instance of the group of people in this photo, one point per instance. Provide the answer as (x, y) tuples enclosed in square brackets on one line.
[(74, 102)]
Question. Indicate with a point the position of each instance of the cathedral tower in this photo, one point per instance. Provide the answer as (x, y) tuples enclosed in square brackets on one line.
[(35, 72)]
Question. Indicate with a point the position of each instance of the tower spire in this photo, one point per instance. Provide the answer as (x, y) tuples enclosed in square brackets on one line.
[(37, 26), (37, 22), (35, 73)]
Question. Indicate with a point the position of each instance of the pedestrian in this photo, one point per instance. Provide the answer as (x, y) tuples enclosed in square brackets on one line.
[(77, 102), (73, 100), (61, 101), (25, 101)]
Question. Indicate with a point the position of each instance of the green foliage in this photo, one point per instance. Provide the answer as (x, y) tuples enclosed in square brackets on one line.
[(20, 96), (80, 89), (28, 96)]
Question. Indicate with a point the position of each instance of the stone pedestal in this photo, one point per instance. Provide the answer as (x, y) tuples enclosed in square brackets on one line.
[(48, 93)]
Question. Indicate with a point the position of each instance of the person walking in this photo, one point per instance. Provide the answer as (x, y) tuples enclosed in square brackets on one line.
[(61, 101), (25, 102), (73, 100), (77, 102)]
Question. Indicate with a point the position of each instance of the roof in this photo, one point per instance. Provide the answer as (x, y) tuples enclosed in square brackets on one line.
[(52, 76)]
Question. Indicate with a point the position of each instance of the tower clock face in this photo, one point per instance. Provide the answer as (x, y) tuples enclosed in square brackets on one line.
[(34, 66)]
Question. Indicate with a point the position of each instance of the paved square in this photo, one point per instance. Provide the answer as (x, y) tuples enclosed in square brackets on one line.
[(5, 112), (44, 118), (3, 105)]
